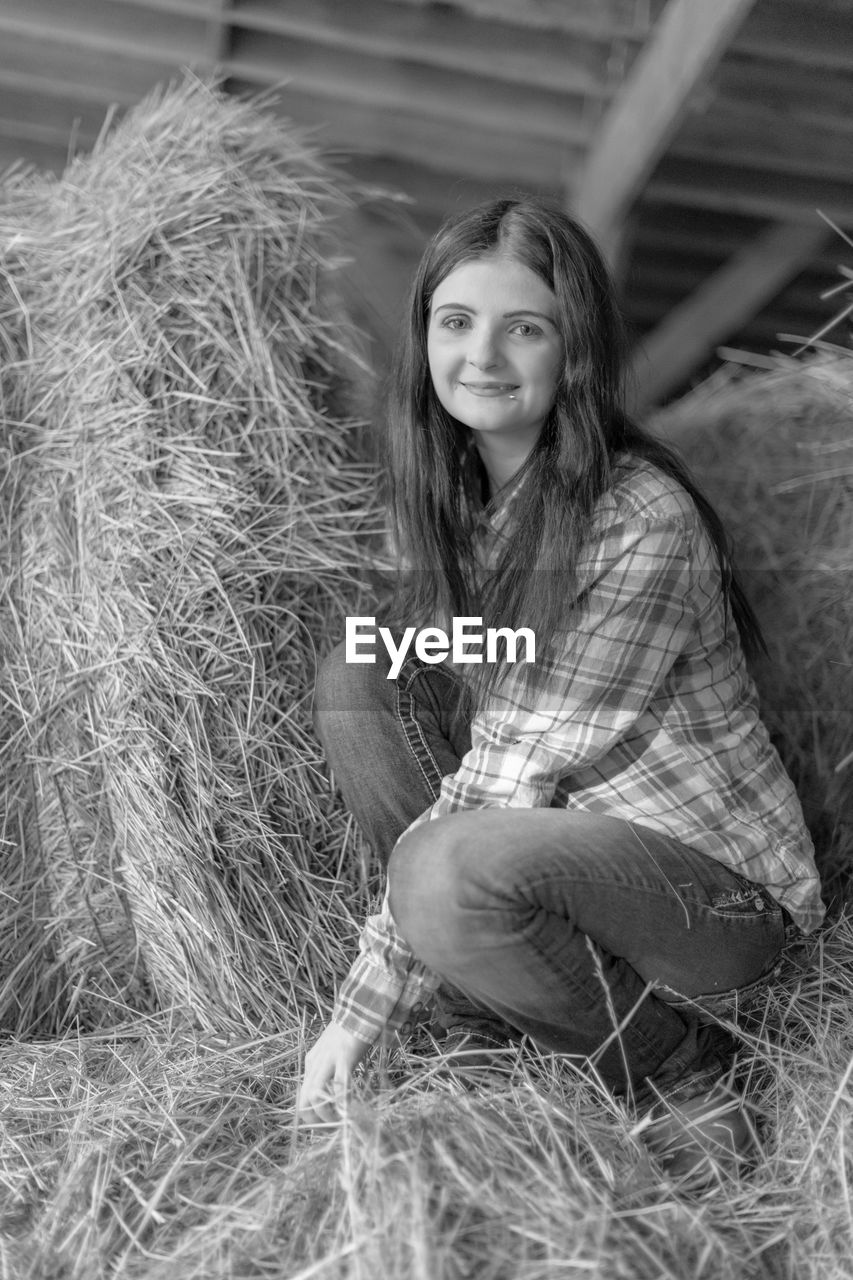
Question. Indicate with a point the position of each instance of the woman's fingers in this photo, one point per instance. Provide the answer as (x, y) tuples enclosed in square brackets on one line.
[(319, 1110), (321, 1102), (328, 1075)]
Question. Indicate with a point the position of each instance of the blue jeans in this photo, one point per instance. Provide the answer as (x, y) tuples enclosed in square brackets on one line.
[(595, 936)]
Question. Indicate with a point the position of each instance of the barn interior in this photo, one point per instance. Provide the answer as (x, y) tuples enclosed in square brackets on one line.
[(707, 146)]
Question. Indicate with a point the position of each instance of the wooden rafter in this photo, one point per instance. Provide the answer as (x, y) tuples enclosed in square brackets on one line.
[(682, 50), (216, 35), (720, 306)]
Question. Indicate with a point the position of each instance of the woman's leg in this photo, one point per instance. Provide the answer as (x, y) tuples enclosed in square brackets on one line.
[(388, 742), (558, 921)]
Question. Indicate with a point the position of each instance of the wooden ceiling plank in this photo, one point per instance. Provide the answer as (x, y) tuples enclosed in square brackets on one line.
[(64, 68), (783, 314), (773, 141), (682, 50), (750, 191), (746, 83), (602, 20), (187, 8), (468, 101), (55, 117), (433, 189), (444, 39), (39, 155), (722, 305), (662, 291), (813, 34), (655, 271), (617, 17), (45, 86), (370, 128), (98, 27)]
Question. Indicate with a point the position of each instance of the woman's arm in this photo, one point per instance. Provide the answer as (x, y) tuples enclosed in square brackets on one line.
[(379, 992)]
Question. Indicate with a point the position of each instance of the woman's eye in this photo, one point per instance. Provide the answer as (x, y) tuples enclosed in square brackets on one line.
[(526, 329), (454, 322)]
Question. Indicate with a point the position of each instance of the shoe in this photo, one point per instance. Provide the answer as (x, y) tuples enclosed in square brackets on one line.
[(702, 1138)]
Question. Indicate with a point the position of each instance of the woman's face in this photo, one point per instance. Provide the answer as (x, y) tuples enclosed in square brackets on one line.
[(495, 352)]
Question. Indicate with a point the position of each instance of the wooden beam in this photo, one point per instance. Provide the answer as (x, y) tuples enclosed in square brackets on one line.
[(719, 307), (682, 50), (217, 32)]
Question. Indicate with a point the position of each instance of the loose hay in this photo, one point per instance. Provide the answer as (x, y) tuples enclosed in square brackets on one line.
[(146, 1152), (181, 506), (774, 451)]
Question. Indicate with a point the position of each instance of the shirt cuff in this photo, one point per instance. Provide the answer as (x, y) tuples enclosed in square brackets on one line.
[(371, 1002), (366, 1000)]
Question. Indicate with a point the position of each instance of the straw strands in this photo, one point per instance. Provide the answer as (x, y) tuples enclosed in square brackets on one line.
[(181, 515), (144, 1152), (774, 451)]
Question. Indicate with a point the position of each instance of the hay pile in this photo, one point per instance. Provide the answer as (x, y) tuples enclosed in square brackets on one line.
[(142, 1152), (180, 505), (774, 451)]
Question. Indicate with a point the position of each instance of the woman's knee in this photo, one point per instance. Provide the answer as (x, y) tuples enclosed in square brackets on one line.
[(426, 888), (344, 688)]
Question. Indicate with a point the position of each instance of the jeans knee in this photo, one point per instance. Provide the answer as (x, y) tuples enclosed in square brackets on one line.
[(331, 670), (426, 889), (343, 687)]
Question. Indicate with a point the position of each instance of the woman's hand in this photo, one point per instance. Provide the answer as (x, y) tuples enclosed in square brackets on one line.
[(328, 1070)]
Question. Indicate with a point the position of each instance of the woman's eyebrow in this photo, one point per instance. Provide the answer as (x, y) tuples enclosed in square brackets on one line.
[(524, 311), (507, 315)]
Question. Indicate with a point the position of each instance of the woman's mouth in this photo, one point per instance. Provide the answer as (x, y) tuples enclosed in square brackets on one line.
[(490, 388)]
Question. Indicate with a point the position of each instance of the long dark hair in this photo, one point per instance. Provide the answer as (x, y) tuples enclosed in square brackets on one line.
[(432, 488)]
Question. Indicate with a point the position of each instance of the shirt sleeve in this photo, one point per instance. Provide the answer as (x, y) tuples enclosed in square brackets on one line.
[(385, 982), (635, 620)]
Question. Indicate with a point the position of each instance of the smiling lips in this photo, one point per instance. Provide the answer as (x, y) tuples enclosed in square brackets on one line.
[(490, 388)]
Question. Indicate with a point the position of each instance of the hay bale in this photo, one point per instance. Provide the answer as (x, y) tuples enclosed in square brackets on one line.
[(774, 451), (181, 513)]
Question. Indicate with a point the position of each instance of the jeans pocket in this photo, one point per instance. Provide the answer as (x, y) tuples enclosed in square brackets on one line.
[(743, 899), (731, 1005)]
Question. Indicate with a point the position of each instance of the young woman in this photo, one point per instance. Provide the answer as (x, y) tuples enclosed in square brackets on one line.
[(600, 849)]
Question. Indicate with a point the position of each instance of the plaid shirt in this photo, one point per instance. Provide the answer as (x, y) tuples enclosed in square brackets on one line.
[(646, 713)]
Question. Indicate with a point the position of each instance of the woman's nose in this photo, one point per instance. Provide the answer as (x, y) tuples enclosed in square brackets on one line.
[(483, 350)]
